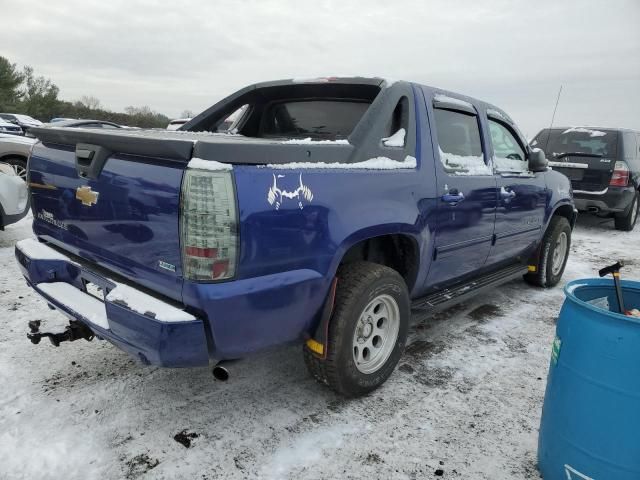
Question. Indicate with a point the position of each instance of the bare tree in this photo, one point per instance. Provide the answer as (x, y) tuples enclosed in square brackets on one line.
[(91, 102), (187, 114)]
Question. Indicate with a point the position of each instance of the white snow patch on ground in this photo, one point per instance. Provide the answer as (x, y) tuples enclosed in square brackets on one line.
[(468, 393), (378, 163), (395, 140), (592, 133), (142, 303), (211, 165)]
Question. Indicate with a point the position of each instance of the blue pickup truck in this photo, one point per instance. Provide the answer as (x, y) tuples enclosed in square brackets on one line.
[(323, 212)]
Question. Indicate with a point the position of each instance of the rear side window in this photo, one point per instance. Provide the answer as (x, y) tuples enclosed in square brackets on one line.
[(509, 156), (329, 119), (459, 143), (630, 147)]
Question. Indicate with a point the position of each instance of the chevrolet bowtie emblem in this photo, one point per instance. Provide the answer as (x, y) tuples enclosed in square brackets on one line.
[(87, 196)]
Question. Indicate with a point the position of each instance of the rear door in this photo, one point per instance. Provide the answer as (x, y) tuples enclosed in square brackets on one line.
[(522, 195), (466, 189)]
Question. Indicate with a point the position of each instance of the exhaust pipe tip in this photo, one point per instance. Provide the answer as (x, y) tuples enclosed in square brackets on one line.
[(593, 209), (220, 373)]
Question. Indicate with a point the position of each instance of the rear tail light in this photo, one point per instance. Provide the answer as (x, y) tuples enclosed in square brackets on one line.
[(620, 177), (208, 225)]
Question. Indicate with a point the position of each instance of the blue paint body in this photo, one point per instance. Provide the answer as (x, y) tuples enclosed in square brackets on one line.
[(590, 420), (288, 257)]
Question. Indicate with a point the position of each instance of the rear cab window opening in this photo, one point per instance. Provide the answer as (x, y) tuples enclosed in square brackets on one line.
[(322, 111), (459, 140)]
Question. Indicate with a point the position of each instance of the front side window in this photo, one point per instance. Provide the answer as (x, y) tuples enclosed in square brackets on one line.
[(459, 143), (509, 156)]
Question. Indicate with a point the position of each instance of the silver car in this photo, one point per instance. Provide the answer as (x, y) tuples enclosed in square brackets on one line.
[(15, 150)]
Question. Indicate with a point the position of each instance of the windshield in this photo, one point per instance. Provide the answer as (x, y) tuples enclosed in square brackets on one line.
[(26, 119), (577, 140)]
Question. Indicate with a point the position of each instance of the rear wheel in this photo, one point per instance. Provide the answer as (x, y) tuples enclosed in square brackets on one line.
[(553, 254), (627, 221), (367, 332)]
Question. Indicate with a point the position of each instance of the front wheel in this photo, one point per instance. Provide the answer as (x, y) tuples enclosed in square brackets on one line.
[(553, 254), (367, 331), (627, 221), (19, 166)]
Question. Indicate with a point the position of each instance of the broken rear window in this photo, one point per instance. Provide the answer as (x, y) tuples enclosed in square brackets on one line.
[(313, 118)]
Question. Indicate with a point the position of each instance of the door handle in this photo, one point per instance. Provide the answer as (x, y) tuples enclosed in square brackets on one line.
[(453, 196)]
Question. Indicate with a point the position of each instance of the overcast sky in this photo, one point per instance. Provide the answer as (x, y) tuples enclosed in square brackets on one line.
[(189, 54)]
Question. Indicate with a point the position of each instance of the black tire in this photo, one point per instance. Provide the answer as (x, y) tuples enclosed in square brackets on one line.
[(544, 275), (358, 285), (19, 164), (627, 220)]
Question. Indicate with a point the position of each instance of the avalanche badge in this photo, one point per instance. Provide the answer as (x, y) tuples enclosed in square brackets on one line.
[(87, 196)]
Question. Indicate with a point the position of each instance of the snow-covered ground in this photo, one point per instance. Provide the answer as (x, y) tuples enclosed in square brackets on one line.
[(464, 403)]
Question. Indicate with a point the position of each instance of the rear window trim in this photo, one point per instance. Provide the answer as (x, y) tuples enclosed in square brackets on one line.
[(455, 107)]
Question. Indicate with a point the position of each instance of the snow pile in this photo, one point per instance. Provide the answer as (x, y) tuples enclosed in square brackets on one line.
[(464, 164), (146, 304), (504, 164), (211, 165), (592, 133), (39, 251), (395, 140), (309, 140), (569, 164), (88, 307), (378, 163), (439, 97)]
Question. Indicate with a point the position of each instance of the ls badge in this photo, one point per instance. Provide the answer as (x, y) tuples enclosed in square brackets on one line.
[(87, 196)]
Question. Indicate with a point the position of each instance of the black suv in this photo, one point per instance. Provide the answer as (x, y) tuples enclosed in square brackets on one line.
[(603, 165)]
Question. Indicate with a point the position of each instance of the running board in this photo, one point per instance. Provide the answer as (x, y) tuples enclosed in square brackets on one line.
[(443, 299)]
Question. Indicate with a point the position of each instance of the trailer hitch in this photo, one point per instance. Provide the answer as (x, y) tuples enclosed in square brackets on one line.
[(73, 331)]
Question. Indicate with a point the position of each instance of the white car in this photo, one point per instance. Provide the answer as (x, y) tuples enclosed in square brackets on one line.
[(10, 128), (177, 123), (14, 196)]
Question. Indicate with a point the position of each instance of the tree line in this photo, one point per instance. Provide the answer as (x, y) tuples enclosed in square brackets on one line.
[(22, 91)]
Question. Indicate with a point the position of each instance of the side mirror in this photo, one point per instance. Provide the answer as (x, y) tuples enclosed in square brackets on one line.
[(537, 160)]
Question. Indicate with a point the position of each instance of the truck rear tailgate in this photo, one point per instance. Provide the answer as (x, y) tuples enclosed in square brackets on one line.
[(587, 173), (125, 219)]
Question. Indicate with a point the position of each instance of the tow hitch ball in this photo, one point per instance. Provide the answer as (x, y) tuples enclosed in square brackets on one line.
[(73, 331)]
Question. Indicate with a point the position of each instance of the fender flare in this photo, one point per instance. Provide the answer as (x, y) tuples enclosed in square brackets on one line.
[(318, 338)]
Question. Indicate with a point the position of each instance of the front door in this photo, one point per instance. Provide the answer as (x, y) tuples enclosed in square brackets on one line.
[(522, 197), (467, 195)]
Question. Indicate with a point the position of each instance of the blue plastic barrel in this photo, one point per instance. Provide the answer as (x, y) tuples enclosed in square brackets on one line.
[(590, 426)]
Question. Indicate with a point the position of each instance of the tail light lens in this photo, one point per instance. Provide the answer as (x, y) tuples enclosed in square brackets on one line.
[(208, 225), (620, 177)]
